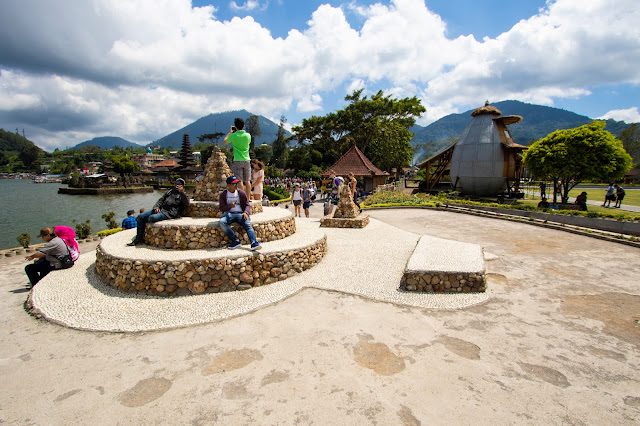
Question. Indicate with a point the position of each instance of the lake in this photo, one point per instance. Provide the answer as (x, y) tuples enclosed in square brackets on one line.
[(29, 207)]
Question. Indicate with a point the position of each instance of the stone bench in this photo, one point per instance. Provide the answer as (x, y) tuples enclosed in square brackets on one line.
[(444, 266), (189, 233), (212, 209), (157, 272)]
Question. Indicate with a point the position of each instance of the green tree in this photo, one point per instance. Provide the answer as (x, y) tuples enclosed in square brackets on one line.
[(630, 138), (264, 153), (280, 151), (29, 155), (571, 156), (252, 126), (379, 126), (123, 165)]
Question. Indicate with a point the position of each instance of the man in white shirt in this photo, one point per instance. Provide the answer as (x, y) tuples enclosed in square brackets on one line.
[(235, 207)]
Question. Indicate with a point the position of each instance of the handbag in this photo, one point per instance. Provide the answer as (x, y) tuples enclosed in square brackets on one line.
[(66, 260)]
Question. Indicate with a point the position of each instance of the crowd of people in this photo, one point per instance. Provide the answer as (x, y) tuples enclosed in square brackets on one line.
[(246, 183)]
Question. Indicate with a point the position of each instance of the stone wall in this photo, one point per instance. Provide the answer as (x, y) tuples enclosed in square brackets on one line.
[(205, 275), (168, 236), (438, 282), (212, 209)]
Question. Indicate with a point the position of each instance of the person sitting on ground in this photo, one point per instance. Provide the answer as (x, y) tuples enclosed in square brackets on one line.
[(47, 258), (610, 196), (129, 222), (619, 195), (581, 201), (235, 207), (170, 206), (543, 204)]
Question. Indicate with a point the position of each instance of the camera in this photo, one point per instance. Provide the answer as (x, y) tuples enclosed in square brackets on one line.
[(233, 128)]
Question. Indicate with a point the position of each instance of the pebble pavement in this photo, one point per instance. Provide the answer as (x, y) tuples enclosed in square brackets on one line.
[(368, 262)]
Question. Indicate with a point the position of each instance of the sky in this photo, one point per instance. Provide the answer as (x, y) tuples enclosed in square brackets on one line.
[(71, 70)]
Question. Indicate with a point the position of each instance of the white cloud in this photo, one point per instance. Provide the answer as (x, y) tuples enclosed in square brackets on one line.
[(629, 115), (141, 69)]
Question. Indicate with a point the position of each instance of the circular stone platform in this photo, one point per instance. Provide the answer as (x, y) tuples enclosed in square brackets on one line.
[(153, 271), (212, 208), (189, 233)]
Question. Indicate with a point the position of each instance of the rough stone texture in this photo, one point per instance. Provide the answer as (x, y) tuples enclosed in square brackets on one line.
[(346, 213), (174, 235), (180, 278), (214, 178), (439, 282), (212, 209)]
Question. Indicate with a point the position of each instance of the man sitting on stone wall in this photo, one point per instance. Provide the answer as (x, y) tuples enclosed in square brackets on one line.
[(235, 206)]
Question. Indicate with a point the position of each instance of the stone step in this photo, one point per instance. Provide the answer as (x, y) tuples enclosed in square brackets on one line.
[(154, 271), (191, 233), (445, 266)]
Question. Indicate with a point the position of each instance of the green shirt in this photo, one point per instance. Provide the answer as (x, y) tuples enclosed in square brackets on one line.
[(240, 141)]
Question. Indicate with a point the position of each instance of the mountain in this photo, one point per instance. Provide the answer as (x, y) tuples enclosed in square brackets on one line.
[(537, 122), (12, 143), (219, 122), (108, 142)]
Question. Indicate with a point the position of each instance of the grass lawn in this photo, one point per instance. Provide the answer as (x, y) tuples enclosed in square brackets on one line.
[(631, 198), (613, 213)]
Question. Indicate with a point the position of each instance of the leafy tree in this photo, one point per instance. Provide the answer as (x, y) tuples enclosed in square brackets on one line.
[(123, 165), (630, 138), (379, 126), (571, 156), (3, 159), (252, 126), (264, 153), (108, 218), (280, 151), (29, 154), (212, 137)]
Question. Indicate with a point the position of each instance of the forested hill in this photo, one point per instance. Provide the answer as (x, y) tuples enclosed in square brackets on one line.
[(220, 122), (537, 122), (108, 142), (13, 143)]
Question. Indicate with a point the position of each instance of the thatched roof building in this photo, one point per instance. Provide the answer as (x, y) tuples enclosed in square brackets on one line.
[(354, 161)]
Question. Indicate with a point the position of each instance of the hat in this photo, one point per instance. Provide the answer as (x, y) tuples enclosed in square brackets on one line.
[(232, 179), (297, 183), (45, 231), (180, 181)]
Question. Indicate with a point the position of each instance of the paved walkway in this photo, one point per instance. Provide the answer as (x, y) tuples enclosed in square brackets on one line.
[(557, 342)]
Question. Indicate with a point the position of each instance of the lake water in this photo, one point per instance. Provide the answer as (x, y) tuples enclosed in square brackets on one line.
[(29, 207)]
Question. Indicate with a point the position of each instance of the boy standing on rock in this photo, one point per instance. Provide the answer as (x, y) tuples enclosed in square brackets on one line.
[(241, 142)]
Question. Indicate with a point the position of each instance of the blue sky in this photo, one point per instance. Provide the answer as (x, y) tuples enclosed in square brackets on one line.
[(140, 69)]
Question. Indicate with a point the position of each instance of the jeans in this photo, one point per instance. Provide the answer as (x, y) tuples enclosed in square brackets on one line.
[(228, 218), (38, 270), (145, 217)]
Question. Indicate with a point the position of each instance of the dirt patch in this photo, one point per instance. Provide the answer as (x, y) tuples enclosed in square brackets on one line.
[(377, 356), (232, 360), (274, 377), (534, 246), (144, 392), (620, 313), (546, 374), (497, 279), (406, 417), (460, 347)]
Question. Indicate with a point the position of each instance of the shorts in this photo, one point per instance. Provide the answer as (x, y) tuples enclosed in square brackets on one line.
[(297, 202), (241, 170), (620, 198), (306, 205), (610, 197), (259, 194)]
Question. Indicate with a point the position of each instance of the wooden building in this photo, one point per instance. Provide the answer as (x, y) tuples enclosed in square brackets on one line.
[(354, 161)]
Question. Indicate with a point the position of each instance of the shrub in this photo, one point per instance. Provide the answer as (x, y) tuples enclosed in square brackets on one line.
[(83, 230), (109, 232), (108, 218), (275, 193), (24, 239)]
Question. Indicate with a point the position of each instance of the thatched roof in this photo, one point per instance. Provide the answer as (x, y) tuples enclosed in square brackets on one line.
[(487, 109), (354, 161)]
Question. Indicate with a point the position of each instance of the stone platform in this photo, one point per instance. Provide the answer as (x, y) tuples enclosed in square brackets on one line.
[(359, 221), (438, 265), (212, 208), (188, 233), (158, 272)]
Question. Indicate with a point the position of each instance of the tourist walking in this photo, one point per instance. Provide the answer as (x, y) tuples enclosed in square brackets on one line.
[(306, 199), (610, 196), (257, 179), (170, 206), (241, 141), (130, 222), (619, 195), (47, 258), (296, 197), (235, 207)]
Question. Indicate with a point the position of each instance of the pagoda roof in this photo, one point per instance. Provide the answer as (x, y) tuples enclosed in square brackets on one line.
[(354, 161)]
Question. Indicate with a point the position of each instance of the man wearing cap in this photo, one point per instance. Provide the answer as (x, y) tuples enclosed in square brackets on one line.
[(47, 256), (170, 206), (235, 207)]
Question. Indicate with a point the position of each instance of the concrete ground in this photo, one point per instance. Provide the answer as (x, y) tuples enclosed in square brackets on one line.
[(558, 342)]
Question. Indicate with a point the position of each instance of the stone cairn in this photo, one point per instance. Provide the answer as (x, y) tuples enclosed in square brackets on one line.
[(346, 213), (212, 182)]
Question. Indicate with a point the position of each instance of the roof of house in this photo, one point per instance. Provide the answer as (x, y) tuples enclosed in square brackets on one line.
[(354, 161), (166, 163)]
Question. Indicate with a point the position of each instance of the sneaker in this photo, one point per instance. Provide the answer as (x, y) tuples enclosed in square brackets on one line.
[(234, 245), (256, 246)]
